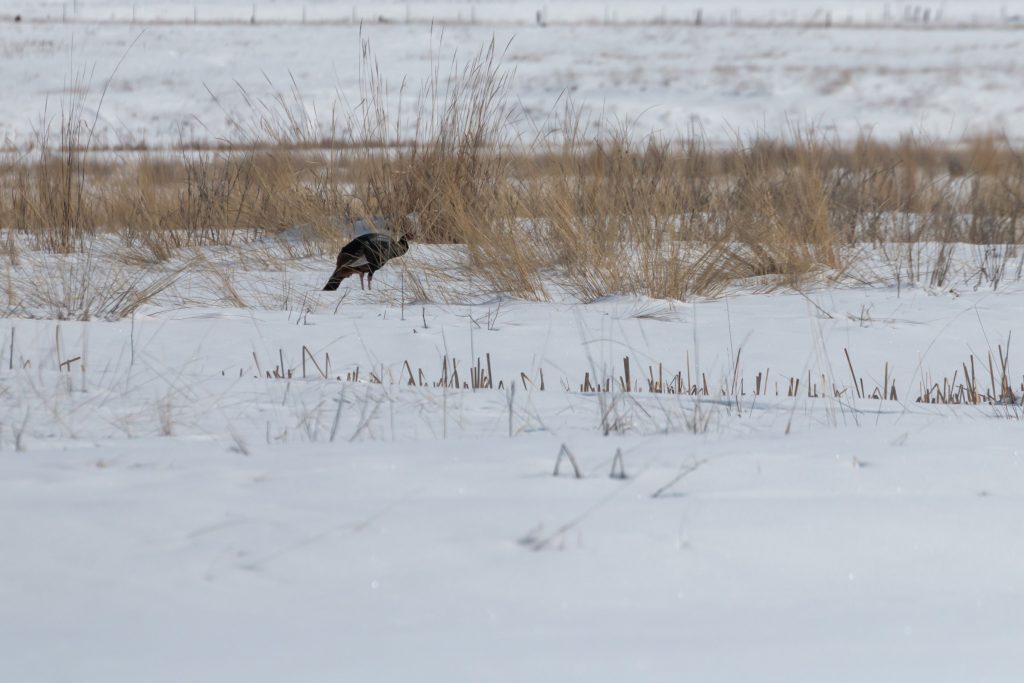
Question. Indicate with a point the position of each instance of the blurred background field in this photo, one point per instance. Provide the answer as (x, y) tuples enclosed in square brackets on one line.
[(942, 70)]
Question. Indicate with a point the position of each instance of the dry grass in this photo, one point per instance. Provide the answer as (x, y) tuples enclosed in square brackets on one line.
[(92, 283), (976, 382), (592, 213)]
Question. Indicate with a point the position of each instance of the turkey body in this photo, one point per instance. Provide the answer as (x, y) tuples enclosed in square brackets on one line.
[(365, 255)]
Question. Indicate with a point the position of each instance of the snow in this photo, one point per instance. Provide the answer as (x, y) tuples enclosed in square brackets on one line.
[(174, 514), (170, 510), (776, 69), (777, 560)]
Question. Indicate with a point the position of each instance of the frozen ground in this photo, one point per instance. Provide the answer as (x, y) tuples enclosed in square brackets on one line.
[(839, 12), (745, 70), (168, 512), (173, 514)]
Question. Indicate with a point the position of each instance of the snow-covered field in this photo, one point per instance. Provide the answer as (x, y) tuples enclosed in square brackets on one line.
[(171, 513), (751, 67), (237, 481)]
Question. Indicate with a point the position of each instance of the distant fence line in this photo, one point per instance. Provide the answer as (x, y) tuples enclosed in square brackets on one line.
[(908, 16)]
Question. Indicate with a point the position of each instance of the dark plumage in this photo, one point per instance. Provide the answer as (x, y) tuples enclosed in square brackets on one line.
[(365, 255)]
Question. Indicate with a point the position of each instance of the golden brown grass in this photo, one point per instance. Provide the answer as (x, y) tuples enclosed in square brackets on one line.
[(594, 213)]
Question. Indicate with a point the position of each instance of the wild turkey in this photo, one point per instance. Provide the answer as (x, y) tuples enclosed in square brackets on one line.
[(366, 255)]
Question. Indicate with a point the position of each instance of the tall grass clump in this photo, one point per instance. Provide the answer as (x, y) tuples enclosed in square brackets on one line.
[(615, 214), (452, 181), (48, 196), (453, 170), (778, 213)]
